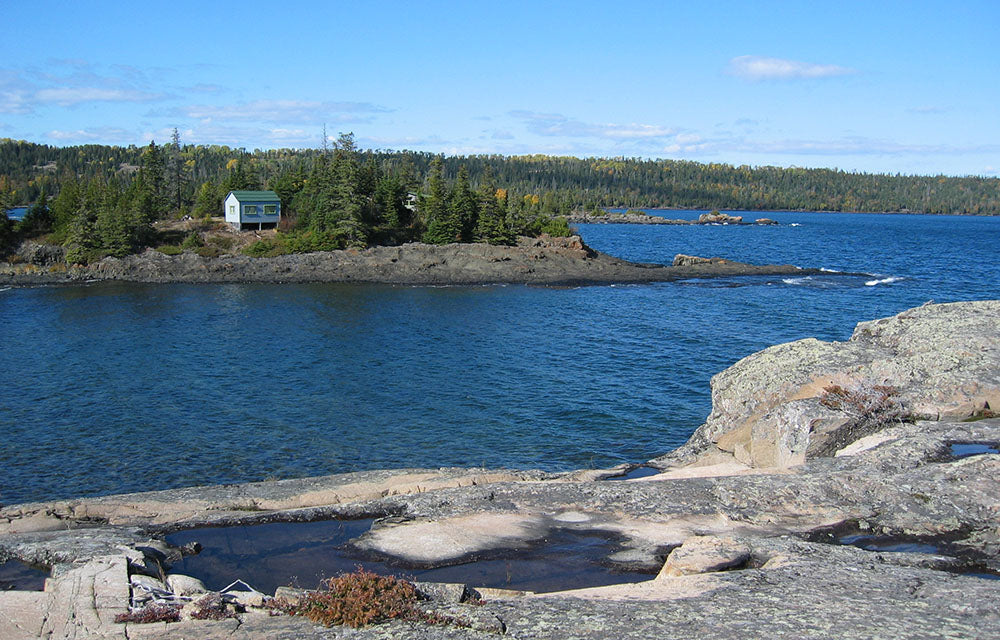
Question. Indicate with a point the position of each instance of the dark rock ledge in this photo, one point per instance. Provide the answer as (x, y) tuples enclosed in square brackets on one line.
[(541, 261), (751, 519)]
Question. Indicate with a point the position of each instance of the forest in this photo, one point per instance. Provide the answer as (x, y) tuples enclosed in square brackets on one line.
[(102, 200)]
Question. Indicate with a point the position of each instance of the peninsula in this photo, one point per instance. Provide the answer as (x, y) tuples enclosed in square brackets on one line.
[(543, 261)]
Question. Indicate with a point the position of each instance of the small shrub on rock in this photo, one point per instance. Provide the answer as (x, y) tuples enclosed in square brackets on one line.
[(265, 248), (867, 402), (208, 252), (170, 250), (359, 599), (211, 606), (363, 598), (154, 612), (192, 241)]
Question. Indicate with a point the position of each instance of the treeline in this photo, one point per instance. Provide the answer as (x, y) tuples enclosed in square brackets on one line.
[(562, 184), (333, 199)]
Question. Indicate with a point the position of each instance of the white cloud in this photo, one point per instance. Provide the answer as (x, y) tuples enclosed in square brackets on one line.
[(763, 68), (558, 125), (67, 96), (103, 134), (286, 111)]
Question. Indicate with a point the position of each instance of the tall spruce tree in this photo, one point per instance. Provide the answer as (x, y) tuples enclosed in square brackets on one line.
[(442, 226), (463, 206)]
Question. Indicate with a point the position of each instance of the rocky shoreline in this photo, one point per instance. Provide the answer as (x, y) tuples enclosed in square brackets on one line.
[(538, 261), (836, 490), (713, 218)]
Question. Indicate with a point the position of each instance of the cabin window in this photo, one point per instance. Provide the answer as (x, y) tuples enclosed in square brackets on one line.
[(250, 210), (232, 209), (270, 209)]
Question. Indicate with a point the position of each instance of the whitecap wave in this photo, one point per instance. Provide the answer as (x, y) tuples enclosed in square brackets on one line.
[(825, 270), (802, 280), (889, 280), (795, 224)]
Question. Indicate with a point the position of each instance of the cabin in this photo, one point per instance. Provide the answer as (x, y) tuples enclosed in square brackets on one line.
[(250, 209)]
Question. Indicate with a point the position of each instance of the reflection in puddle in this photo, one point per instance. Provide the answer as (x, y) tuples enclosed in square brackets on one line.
[(303, 553), (877, 543), (961, 450), (15, 574), (638, 472)]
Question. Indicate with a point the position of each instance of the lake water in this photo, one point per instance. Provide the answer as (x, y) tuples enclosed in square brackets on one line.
[(125, 387)]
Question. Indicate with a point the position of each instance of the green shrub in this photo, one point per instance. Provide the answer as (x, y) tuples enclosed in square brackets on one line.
[(208, 252), (192, 241), (310, 241), (223, 242), (265, 248), (170, 249), (556, 227)]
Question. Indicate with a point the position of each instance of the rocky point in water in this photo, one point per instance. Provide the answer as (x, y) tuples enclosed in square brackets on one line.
[(542, 261), (836, 490)]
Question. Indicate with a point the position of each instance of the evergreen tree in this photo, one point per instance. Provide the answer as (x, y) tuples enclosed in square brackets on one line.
[(463, 206), (65, 206), (6, 225), (242, 175), (82, 242), (38, 219), (491, 227), (442, 227), (209, 200), (152, 192), (176, 171), (116, 231)]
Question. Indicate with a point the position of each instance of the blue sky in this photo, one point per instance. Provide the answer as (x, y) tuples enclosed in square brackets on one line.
[(909, 87)]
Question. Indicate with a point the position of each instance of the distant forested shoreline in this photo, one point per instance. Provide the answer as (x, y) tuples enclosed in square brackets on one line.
[(562, 184), (98, 200)]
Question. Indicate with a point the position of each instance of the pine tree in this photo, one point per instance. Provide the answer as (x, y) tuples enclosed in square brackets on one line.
[(6, 225), (492, 212), (82, 242), (176, 170), (152, 192), (442, 227), (464, 206)]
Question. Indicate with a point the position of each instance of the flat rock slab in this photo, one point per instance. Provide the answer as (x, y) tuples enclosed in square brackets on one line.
[(81, 603), (702, 554)]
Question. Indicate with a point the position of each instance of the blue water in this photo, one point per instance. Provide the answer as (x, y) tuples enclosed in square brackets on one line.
[(123, 387), (17, 213)]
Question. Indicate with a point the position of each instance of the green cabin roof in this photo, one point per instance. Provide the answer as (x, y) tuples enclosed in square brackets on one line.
[(256, 196)]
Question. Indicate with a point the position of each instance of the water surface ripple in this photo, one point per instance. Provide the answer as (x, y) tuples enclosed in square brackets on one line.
[(128, 387)]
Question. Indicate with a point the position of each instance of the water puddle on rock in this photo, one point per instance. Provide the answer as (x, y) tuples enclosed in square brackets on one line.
[(303, 553), (963, 561), (638, 472), (15, 574), (890, 544), (961, 450)]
